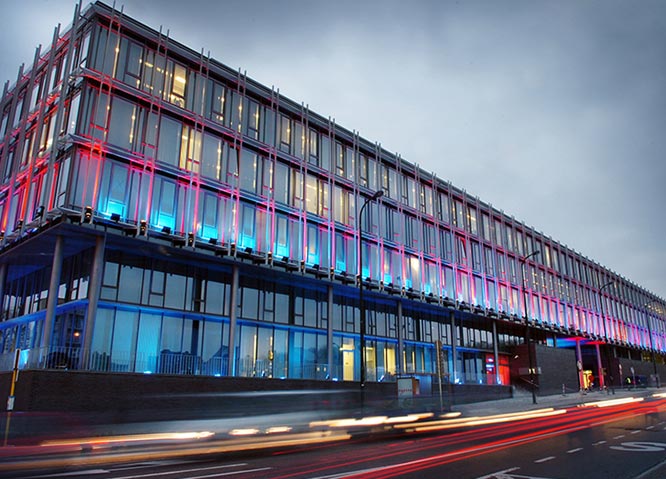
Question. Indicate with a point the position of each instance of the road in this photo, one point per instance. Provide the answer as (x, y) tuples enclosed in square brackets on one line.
[(624, 441)]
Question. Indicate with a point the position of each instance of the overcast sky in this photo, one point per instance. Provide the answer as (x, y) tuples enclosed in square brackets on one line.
[(552, 111)]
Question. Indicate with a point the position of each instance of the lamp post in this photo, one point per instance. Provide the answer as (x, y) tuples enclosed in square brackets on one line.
[(378, 194), (654, 360), (528, 339), (603, 321)]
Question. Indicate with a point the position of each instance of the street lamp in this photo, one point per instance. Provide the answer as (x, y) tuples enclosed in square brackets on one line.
[(603, 321), (378, 194), (654, 360), (528, 339)]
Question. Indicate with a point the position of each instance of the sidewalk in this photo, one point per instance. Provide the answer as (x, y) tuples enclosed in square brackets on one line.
[(522, 401)]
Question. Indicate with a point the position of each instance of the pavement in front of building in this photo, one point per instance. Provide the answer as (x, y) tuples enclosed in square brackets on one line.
[(522, 401)]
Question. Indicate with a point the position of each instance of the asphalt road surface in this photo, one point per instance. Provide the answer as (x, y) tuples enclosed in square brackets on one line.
[(626, 441)]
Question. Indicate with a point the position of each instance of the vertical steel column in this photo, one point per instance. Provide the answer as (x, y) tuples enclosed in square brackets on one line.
[(233, 313), (3, 277), (600, 367), (454, 348), (401, 345), (496, 354), (52, 301), (96, 275), (329, 332), (607, 347), (579, 364)]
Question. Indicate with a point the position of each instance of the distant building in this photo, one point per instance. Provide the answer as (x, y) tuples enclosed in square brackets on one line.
[(162, 213)]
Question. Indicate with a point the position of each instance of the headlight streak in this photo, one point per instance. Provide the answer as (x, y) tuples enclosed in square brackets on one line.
[(398, 470), (130, 438), (480, 421), (524, 432), (493, 436), (74, 457), (611, 402), (372, 420)]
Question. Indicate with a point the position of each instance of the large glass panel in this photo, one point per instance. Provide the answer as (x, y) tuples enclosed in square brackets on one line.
[(168, 150), (101, 342), (123, 348), (147, 349), (213, 353)]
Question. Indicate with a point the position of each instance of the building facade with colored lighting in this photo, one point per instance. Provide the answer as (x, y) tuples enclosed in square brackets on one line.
[(164, 214)]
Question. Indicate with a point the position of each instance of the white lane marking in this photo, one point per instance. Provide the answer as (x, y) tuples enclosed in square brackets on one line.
[(341, 475), (599, 443), (232, 473), (545, 459), (85, 473), (649, 427), (619, 437), (571, 451), (649, 472), (177, 471), (641, 446), (497, 474), (635, 432), (512, 442)]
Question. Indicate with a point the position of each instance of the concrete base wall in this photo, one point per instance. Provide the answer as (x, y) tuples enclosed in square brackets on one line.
[(138, 397)]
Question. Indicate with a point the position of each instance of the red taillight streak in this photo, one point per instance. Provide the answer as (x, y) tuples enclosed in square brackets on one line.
[(453, 456), (558, 425)]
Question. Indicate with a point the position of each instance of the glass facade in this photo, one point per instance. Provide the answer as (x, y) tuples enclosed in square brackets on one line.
[(121, 127)]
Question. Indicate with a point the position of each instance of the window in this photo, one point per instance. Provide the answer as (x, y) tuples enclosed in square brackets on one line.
[(281, 182), (446, 246), (471, 217), (209, 215), (152, 76), (461, 251), (343, 206), (190, 152), (476, 256), (299, 140), (501, 265), (489, 263), (114, 189), (130, 61), (499, 233), (316, 196), (363, 170), (247, 235), (412, 232), (252, 118), (350, 157), (281, 241), (175, 83), (508, 230), (167, 200), (313, 147), (211, 157), (170, 136), (339, 159), (215, 104), (284, 134), (250, 171), (443, 207), (429, 239)]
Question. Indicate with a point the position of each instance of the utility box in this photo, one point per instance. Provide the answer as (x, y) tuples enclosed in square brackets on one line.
[(408, 387)]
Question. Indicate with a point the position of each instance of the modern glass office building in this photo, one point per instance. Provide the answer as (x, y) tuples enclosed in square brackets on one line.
[(162, 213)]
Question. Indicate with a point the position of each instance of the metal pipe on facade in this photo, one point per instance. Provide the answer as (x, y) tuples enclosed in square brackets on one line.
[(378, 194), (528, 339)]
